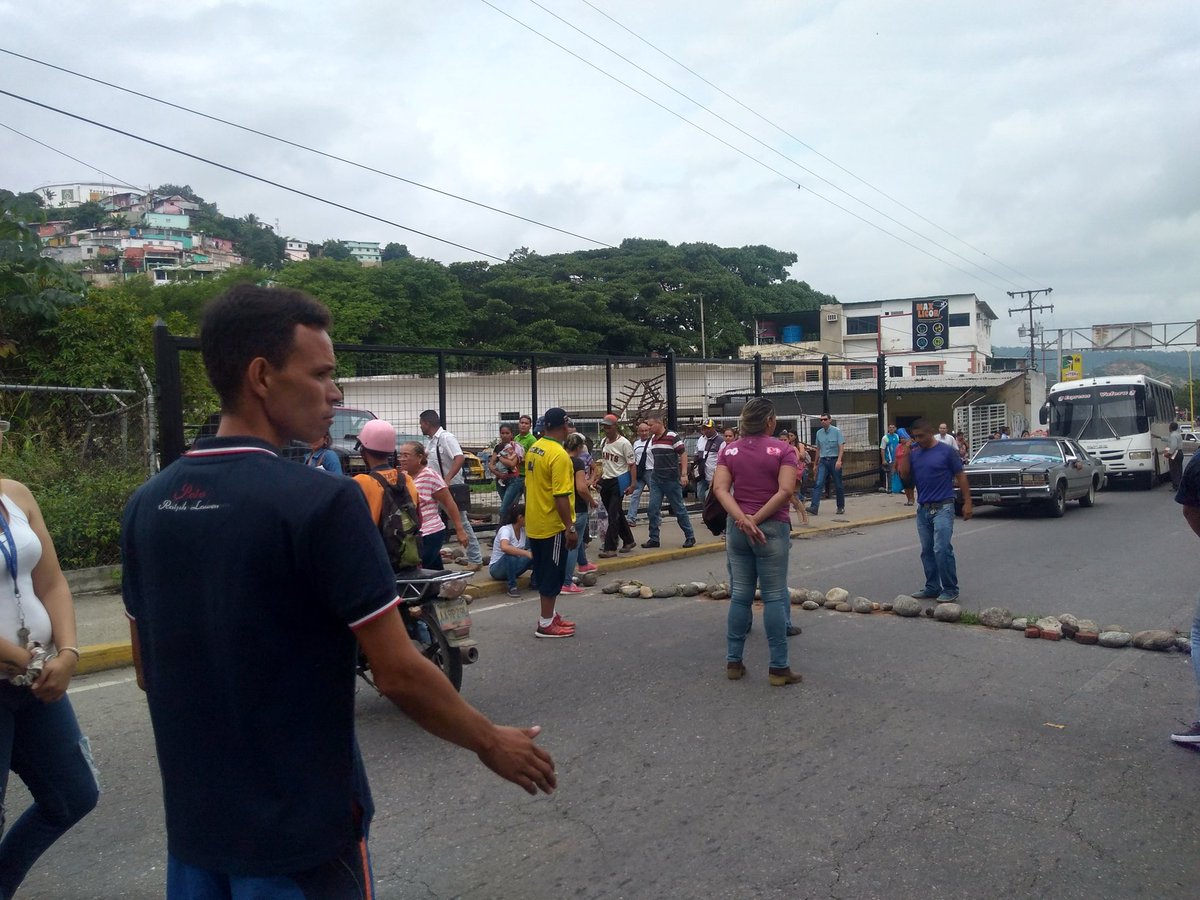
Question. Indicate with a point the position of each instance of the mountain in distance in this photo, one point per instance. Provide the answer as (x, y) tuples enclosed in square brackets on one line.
[(1170, 366)]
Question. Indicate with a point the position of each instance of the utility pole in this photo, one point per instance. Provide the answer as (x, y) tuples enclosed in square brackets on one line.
[(1030, 308)]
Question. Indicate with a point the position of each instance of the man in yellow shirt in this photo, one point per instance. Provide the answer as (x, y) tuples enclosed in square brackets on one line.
[(550, 518)]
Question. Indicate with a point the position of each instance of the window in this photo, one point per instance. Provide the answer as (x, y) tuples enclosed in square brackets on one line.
[(783, 377), (812, 375), (960, 320), (862, 373), (862, 324), (928, 369), (895, 371)]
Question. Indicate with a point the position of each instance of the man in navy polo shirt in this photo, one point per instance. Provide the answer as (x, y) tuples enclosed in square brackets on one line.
[(248, 581), (936, 468)]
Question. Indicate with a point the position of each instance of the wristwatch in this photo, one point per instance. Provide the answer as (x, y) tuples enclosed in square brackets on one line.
[(571, 529)]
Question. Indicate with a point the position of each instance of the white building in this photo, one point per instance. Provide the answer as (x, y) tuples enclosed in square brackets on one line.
[(73, 193), (367, 253), (296, 251)]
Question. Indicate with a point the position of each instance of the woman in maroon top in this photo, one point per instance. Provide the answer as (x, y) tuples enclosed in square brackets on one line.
[(761, 471)]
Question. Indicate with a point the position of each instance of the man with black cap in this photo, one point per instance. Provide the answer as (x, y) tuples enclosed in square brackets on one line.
[(618, 472), (550, 518)]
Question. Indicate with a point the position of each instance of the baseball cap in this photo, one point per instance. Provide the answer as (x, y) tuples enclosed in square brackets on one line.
[(555, 417), (708, 423), (378, 436), (610, 419)]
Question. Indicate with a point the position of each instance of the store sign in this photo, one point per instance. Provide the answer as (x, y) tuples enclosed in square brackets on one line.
[(931, 325), (1072, 366)]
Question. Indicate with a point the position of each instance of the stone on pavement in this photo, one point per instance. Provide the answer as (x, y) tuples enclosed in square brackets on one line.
[(947, 612), (996, 617), (588, 579), (862, 605), (836, 595), (612, 587), (1115, 639), (810, 605), (843, 607), (645, 592), (1019, 624), (906, 606), (815, 596), (689, 590), (1154, 639), (663, 593), (631, 590)]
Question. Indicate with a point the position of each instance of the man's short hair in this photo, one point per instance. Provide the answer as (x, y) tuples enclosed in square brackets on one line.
[(920, 425), (431, 417), (247, 322), (656, 416)]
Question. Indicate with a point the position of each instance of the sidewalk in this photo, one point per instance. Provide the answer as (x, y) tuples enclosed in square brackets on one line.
[(104, 630)]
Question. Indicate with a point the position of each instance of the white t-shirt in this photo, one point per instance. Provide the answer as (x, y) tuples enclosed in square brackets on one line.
[(441, 449), (640, 447), (29, 552), (617, 456), (507, 533), (948, 439), (709, 456)]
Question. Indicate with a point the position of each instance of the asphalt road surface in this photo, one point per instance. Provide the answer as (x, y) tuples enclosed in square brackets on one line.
[(917, 759)]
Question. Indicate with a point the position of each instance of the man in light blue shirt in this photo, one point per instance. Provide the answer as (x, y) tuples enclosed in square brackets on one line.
[(830, 447)]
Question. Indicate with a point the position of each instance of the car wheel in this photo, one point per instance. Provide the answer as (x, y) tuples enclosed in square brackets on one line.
[(1057, 505), (1089, 499)]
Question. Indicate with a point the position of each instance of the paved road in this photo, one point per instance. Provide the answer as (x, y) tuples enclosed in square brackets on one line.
[(917, 760)]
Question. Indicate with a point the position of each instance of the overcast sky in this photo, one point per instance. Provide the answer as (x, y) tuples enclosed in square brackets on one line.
[(1060, 139)]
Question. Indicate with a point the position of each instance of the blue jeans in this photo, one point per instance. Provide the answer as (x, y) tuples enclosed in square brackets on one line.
[(473, 554), (42, 743), (828, 469), (935, 525), (673, 491), (511, 494), (701, 491), (764, 566), (634, 499), (508, 567), (1196, 646), (431, 550), (577, 556)]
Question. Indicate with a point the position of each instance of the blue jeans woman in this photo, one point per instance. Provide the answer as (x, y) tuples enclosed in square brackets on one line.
[(754, 566)]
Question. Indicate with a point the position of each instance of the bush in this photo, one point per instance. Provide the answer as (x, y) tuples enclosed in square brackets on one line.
[(82, 506)]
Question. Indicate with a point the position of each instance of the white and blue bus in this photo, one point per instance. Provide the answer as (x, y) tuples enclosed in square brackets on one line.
[(1120, 419)]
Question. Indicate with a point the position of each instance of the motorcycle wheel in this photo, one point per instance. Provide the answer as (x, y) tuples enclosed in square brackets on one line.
[(438, 650)]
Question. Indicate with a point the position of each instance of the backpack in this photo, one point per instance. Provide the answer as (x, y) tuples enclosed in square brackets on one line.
[(399, 524)]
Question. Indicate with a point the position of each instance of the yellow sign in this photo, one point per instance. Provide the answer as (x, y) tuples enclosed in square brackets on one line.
[(1072, 366)]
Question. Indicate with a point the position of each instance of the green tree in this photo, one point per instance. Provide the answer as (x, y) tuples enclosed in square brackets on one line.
[(336, 250), (395, 251), (27, 206), (183, 190), (33, 289), (87, 215)]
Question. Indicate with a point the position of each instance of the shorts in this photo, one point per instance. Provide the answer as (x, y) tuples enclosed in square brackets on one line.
[(345, 877), (549, 569)]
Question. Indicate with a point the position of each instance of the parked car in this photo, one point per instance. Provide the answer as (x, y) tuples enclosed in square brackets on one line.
[(1042, 471)]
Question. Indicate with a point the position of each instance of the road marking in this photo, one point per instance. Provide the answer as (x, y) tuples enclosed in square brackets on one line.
[(502, 605), (100, 684)]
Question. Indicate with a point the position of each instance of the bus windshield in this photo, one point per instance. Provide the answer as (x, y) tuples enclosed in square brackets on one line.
[(1098, 413)]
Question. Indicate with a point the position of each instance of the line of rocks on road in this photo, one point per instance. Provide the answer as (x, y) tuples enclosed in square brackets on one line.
[(1050, 628)]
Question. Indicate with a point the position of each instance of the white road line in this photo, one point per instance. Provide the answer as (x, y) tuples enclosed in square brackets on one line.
[(100, 684), (502, 605)]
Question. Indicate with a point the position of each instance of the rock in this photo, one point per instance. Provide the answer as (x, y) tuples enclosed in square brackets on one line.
[(1069, 629), (645, 592), (1115, 639), (719, 594), (1019, 624), (689, 590), (947, 612), (810, 605), (906, 606), (1086, 637), (1154, 639), (927, 612), (885, 607), (1051, 622), (876, 607), (796, 596), (996, 617), (862, 605), (843, 607), (1183, 644), (631, 590), (1089, 626), (700, 586), (830, 604), (664, 592), (612, 587), (1032, 631), (815, 597), (837, 595), (1117, 628), (588, 579), (1068, 621)]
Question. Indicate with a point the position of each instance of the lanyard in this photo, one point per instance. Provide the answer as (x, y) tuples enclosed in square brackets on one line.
[(9, 548)]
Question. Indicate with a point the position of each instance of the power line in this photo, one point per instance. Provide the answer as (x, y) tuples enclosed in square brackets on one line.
[(119, 181), (774, 150), (227, 168), (732, 147), (802, 143), (299, 146)]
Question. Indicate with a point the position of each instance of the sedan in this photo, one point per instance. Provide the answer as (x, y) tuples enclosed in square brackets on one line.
[(1045, 472)]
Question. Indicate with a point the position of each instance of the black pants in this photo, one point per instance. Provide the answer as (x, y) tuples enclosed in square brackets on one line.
[(613, 499), (1175, 468)]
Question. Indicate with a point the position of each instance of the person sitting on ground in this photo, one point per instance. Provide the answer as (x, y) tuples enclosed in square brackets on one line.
[(432, 492), (510, 556), (321, 456)]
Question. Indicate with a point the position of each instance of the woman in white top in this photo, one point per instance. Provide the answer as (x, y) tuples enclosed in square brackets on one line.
[(510, 554), (39, 737)]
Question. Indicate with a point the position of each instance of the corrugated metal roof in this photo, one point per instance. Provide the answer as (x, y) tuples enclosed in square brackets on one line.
[(961, 381)]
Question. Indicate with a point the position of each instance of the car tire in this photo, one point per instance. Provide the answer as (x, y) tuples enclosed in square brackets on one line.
[(1089, 499), (1057, 506)]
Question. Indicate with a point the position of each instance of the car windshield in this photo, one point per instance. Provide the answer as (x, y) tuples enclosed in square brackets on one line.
[(1017, 451), (1096, 413), (347, 423)]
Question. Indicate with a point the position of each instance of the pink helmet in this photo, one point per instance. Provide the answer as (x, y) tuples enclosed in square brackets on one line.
[(379, 436)]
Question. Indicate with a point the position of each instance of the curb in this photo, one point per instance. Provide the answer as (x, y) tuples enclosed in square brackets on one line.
[(100, 657)]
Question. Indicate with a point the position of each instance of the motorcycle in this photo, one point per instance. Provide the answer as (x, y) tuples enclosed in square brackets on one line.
[(438, 621)]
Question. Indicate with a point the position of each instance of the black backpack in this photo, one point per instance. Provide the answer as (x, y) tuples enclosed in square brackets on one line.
[(400, 524)]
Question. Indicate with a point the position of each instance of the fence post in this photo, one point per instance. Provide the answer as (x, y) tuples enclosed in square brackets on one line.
[(170, 395), (757, 374), (533, 399), (608, 404), (672, 393), (825, 384), (441, 358), (881, 411)]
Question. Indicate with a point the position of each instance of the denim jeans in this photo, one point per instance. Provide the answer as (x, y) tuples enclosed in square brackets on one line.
[(935, 525), (764, 566), (508, 567), (577, 556), (634, 499), (701, 491), (673, 491), (42, 744), (431, 550), (472, 548), (828, 469), (512, 493)]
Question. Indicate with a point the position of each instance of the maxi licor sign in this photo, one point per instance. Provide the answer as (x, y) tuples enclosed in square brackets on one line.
[(931, 324)]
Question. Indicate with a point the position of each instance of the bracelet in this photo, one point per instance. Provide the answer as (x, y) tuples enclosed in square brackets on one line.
[(74, 650)]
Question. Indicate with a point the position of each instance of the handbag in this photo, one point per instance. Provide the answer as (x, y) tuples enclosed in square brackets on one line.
[(713, 514)]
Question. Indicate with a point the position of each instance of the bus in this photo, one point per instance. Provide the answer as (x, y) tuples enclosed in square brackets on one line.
[(1120, 419)]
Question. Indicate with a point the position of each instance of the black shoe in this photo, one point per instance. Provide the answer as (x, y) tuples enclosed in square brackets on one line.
[(841, 511), (625, 548), (812, 511), (793, 630), (690, 542), (649, 544)]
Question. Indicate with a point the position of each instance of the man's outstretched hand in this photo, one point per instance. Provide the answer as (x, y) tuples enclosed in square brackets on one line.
[(514, 756)]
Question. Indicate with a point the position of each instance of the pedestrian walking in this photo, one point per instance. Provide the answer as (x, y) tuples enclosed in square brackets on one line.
[(831, 447), (887, 455), (1188, 496), (1174, 455), (250, 584), (944, 436), (668, 478), (446, 455), (617, 464), (754, 480), (935, 468), (550, 519), (645, 462), (40, 740)]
